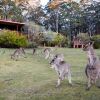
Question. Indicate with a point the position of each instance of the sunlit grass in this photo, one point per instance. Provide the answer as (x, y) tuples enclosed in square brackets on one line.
[(32, 78)]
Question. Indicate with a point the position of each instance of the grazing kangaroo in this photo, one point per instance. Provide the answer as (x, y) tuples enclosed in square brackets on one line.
[(47, 52), (92, 69), (18, 52), (62, 68), (22, 50)]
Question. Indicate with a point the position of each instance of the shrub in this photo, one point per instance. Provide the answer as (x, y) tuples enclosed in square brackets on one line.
[(96, 40), (12, 39), (60, 40), (83, 36), (32, 45)]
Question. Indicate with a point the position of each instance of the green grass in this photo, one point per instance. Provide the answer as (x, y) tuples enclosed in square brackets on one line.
[(32, 78)]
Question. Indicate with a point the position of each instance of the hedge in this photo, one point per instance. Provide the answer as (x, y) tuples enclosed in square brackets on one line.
[(11, 39)]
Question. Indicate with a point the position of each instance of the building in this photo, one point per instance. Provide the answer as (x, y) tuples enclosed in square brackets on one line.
[(6, 24)]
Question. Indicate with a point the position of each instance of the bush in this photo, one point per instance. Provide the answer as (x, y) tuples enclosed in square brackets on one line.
[(57, 40), (32, 45), (12, 39), (60, 40), (96, 40), (83, 36)]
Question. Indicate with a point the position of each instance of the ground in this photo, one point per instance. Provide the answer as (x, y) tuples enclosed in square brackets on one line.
[(32, 78)]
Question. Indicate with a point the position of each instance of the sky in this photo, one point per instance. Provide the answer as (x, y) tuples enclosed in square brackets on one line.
[(44, 2)]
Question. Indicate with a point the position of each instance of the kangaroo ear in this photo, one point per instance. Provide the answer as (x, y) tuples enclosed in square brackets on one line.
[(91, 43), (86, 43)]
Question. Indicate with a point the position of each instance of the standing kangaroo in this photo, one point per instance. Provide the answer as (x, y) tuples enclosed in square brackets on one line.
[(62, 68), (47, 52), (92, 69), (34, 50)]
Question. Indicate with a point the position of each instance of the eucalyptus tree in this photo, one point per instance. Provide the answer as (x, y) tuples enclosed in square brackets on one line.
[(25, 8), (8, 10), (68, 18), (38, 15), (90, 18), (97, 17)]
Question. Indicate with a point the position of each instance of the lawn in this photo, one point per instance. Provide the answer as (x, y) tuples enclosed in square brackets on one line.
[(32, 78)]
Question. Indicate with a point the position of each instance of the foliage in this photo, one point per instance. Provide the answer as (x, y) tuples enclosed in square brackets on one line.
[(35, 33), (12, 39), (83, 36), (38, 38), (57, 40), (9, 10), (37, 15), (39, 35), (32, 45), (96, 40), (74, 18), (54, 40), (70, 18), (60, 40)]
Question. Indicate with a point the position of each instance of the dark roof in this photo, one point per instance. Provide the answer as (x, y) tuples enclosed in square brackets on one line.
[(8, 22)]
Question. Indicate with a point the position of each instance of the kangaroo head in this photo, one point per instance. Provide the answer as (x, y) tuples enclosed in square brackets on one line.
[(57, 58), (87, 46), (53, 60), (60, 57)]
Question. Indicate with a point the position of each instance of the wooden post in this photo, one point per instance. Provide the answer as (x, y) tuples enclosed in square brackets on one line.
[(17, 27), (17, 30)]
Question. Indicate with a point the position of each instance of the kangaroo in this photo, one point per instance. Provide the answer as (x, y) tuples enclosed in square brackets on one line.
[(17, 53), (47, 52), (58, 56), (92, 69), (34, 50), (62, 68)]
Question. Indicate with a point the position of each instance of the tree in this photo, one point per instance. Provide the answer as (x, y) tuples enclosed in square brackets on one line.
[(68, 18), (8, 10), (53, 4), (90, 16), (37, 15)]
